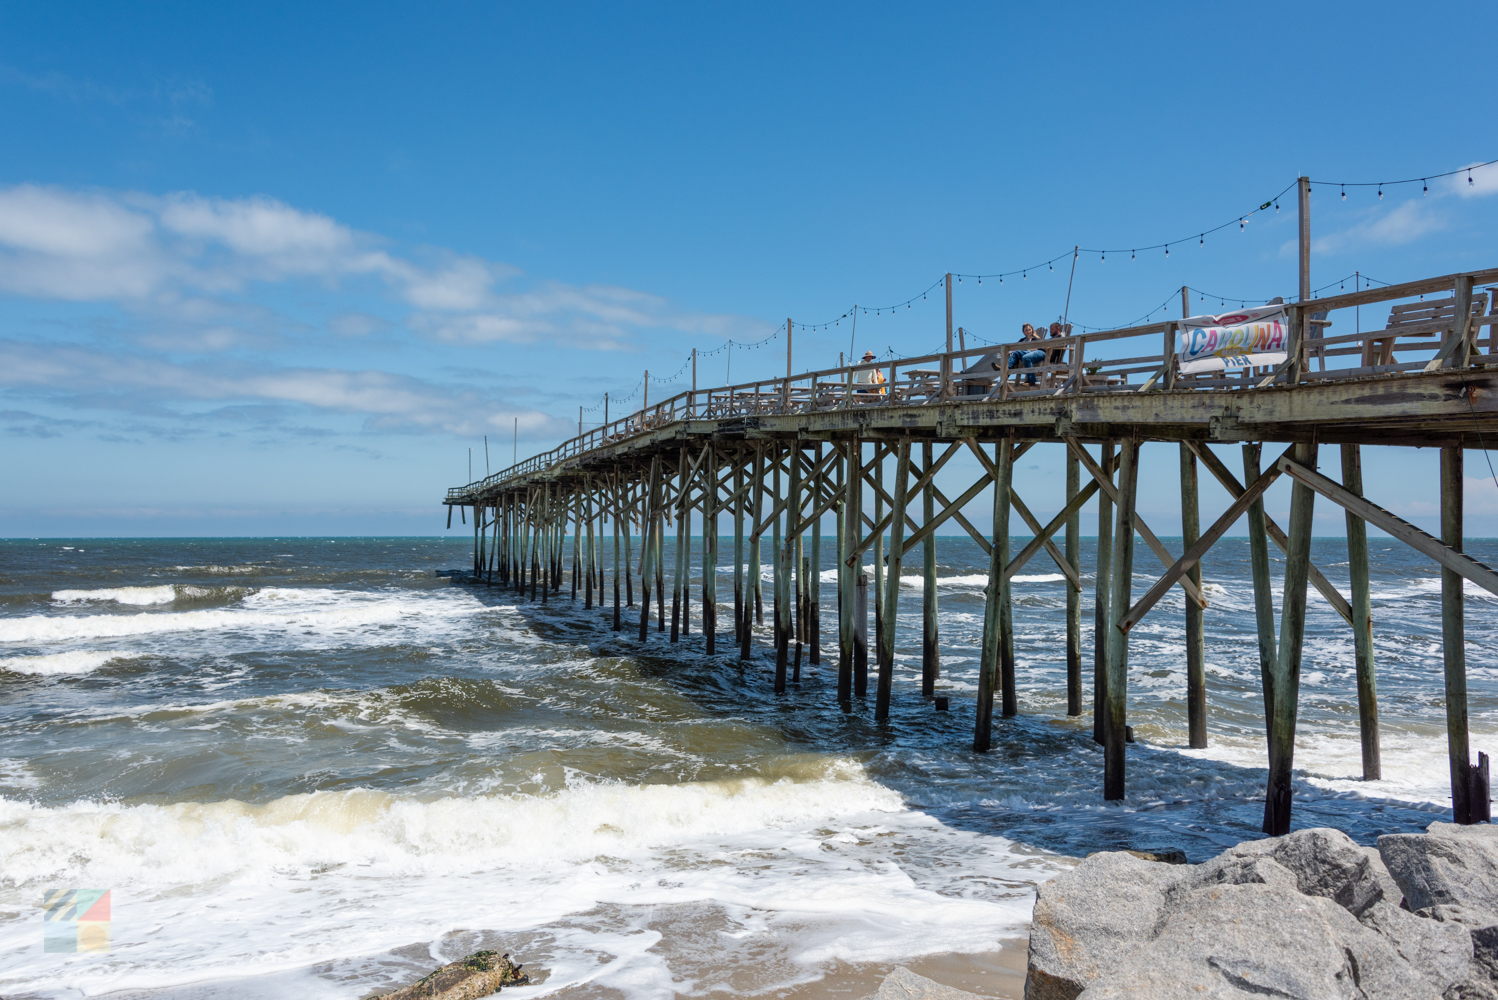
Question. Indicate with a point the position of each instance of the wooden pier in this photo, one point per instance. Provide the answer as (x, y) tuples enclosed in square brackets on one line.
[(776, 457)]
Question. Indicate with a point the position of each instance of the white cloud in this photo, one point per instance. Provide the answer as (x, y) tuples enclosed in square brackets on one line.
[(387, 401), (183, 256), (1403, 223)]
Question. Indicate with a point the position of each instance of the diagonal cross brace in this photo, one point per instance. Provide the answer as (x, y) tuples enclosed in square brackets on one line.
[(1024, 512), (1232, 485), (1160, 551), (1193, 555), (1083, 495), (1458, 562)]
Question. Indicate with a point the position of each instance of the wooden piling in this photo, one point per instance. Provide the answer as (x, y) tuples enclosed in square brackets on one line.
[(1196, 650), (814, 577), (1258, 554), (1277, 799), (847, 535), (1073, 593), (1362, 617), (740, 625), (647, 544), (930, 640), (751, 597), (998, 562), (710, 552), (616, 519), (1122, 572), (892, 590), (1102, 591), (1004, 472), (781, 611), (1453, 639), (682, 506)]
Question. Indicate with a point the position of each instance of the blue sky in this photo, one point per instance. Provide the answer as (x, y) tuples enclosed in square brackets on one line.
[(274, 269)]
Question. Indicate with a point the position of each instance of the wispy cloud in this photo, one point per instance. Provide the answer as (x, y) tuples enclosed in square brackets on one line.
[(182, 256), (1476, 182), (1403, 223), (137, 384)]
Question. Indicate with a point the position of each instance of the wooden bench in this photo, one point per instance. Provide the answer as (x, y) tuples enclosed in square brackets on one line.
[(1421, 324)]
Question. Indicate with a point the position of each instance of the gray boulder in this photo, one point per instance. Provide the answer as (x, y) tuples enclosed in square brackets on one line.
[(1311, 915), (902, 984), (1447, 865)]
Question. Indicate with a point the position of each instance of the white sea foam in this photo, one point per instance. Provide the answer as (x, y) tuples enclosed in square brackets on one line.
[(314, 611), (78, 661), (232, 889), (164, 594)]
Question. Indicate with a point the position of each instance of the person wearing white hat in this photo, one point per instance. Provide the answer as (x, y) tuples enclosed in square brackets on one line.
[(869, 376)]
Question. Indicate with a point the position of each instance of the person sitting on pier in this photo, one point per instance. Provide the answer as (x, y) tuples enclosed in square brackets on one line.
[(872, 377), (1028, 359)]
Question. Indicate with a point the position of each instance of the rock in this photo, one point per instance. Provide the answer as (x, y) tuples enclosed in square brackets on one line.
[(1255, 939), (1311, 915), (1167, 857), (1092, 919), (1330, 864), (902, 984), (479, 975), (1448, 864)]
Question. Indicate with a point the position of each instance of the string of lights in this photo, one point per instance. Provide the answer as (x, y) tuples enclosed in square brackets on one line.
[(1423, 181), (1240, 220)]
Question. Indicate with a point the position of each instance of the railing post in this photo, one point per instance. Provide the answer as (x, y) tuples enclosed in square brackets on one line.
[(1170, 355)]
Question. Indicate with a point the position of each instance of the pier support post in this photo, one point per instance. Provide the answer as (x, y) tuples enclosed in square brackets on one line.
[(780, 613), (647, 543), (1008, 694), (1102, 584), (1277, 799), (1453, 641), (814, 571), (892, 589), (1196, 649), (751, 596), (1362, 617), (930, 648), (590, 556), (1116, 719), (795, 577), (879, 566), (577, 540), (682, 506), (1258, 554), (710, 551), (617, 519), (1073, 593), (848, 524), (740, 625), (626, 501), (861, 635), (988, 662)]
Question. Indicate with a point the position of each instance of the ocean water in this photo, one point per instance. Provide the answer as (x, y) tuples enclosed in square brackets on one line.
[(321, 766)]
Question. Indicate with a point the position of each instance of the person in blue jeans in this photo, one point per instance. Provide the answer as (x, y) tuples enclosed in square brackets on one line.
[(1027, 359)]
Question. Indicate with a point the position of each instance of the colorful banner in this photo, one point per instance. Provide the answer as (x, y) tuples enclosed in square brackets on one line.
[(1232, 341)]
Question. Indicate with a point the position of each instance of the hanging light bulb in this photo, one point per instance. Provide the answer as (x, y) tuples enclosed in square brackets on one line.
[(1276, 208), (1167, 249), (1469, 177), (1344, 192), (1132, 254), (980, 281), (1102, 256), (1424, 188), (1024, 276), (1202, 239), (1380, 192), (1240, 225)]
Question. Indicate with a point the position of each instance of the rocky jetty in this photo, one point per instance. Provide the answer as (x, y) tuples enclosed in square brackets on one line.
[(479, 975), (1311, 915)]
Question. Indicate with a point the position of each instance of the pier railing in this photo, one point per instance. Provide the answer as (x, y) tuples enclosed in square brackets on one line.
[(1421, 333)]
